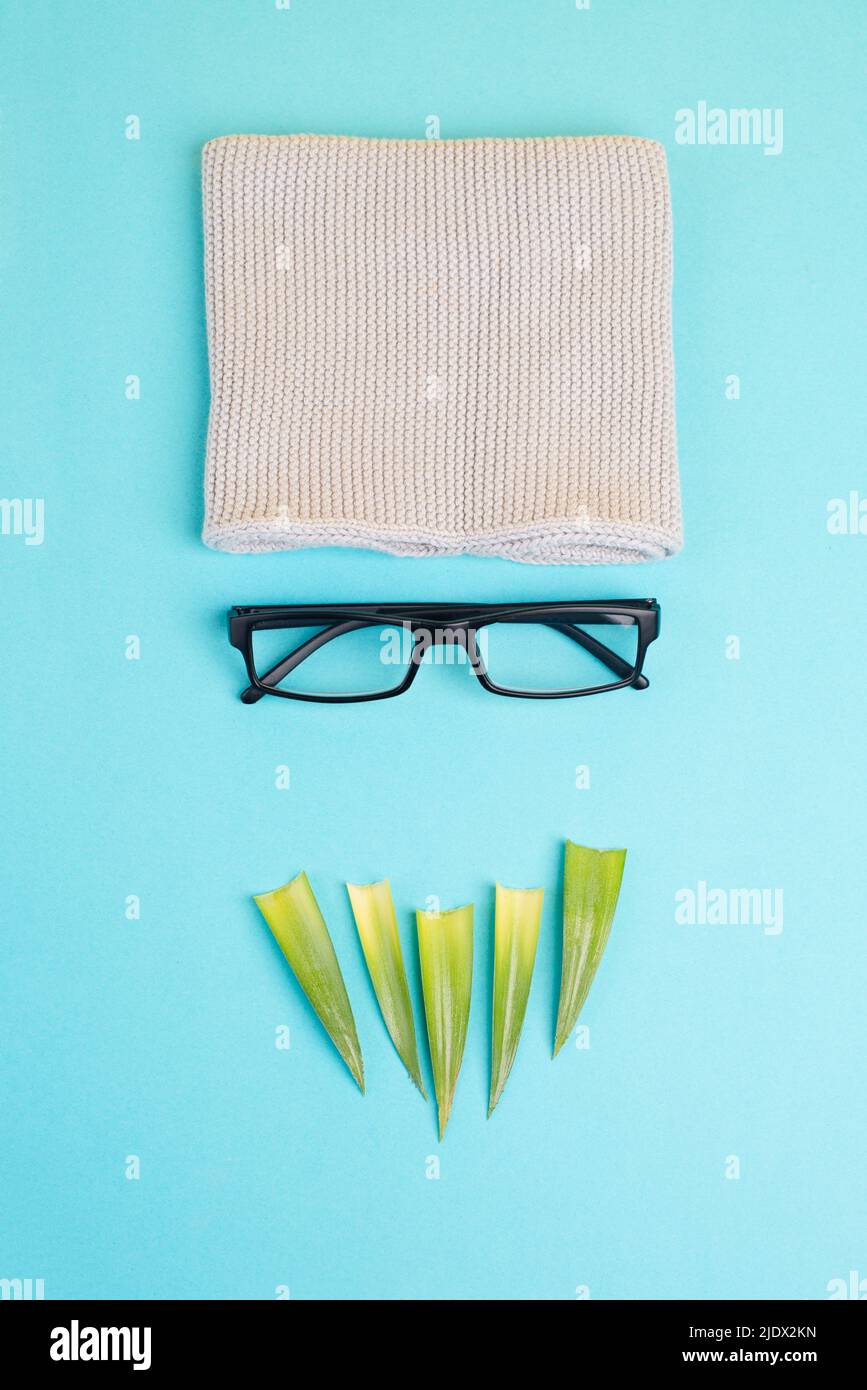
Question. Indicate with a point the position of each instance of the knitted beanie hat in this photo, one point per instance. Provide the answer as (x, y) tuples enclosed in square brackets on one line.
[(437, 347)]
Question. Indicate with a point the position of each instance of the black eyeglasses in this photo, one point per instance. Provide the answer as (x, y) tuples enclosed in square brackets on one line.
[(338, 653)]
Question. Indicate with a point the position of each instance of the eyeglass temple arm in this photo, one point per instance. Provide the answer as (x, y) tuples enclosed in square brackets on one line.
[(604, 654), (273, 677)]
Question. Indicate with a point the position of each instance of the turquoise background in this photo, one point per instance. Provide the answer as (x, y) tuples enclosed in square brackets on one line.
[(262, 1168)]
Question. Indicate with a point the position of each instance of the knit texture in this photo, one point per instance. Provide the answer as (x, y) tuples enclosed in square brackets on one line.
[(436, 347)]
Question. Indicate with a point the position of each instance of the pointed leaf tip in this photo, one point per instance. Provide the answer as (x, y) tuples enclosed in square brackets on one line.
[(376, 920), (445, 944), (590, 892), (517, 917), (299, 929)]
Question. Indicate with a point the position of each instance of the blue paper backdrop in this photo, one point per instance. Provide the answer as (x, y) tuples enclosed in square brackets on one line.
[(714, 1049)]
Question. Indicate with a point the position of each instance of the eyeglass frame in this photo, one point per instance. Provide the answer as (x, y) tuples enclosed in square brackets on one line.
[(453, 619)]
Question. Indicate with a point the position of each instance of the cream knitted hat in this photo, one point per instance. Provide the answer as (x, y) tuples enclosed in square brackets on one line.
[(437, 347)]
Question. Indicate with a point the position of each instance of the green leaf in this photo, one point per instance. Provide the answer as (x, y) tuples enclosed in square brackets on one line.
[(516, 933), (445, 945), (590, 891), (293, 915), (373, 909)]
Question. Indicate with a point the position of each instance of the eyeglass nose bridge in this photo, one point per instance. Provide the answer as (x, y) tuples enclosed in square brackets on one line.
[(427, 636)]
